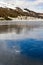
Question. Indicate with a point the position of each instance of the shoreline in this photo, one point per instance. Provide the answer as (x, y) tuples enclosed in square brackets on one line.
[(21, 19), (23, 22)]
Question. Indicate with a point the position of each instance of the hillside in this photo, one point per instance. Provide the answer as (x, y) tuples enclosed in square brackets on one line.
[(7, 13)]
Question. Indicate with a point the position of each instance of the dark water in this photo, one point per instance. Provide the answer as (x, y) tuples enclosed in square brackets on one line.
[(21, 45), (21, 52)]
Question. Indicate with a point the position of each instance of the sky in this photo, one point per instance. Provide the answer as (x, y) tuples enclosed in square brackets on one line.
[(36, 5)]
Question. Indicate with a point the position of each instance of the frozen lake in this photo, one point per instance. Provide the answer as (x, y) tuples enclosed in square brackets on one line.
[(21, 44)]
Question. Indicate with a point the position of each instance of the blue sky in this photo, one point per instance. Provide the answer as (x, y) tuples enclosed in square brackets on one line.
[(36, 5)]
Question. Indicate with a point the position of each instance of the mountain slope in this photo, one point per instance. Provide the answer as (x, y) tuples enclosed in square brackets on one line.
[(14, 13)]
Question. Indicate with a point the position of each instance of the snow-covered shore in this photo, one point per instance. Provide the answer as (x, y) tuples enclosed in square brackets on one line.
[(25, 18), (21, 22)]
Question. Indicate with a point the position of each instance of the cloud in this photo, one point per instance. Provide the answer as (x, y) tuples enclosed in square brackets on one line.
[(31, 4)]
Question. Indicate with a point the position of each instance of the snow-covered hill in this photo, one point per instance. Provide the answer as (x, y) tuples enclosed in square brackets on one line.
[(9, 10)]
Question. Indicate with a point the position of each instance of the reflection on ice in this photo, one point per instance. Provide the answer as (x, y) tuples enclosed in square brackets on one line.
[(20, 32), (16, 28)]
